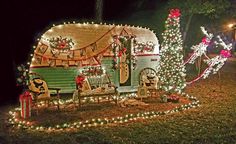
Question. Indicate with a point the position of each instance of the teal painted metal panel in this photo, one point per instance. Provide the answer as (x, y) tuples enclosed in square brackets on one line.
[(58, 77)]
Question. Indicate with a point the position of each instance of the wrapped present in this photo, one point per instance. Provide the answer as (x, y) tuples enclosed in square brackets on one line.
[(25, 104)]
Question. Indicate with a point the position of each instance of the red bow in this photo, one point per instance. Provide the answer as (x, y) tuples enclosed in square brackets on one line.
[(225, 53), (205, 40), (62, 45), (79, 80), (174, 13), (122, 51)]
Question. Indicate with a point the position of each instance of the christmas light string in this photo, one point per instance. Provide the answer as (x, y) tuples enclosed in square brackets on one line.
[(88, 44), (71, 126)]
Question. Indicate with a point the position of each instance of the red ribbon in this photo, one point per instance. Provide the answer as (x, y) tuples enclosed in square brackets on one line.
[(174, 13)]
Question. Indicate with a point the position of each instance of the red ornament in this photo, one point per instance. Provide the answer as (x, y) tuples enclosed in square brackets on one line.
[(225, 53), (174, 13), (205, 40)]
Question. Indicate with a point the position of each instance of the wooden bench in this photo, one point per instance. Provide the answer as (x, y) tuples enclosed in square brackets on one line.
[(80, 96)]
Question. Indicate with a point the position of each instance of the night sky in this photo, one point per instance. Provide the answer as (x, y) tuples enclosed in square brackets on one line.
[(25, 21)]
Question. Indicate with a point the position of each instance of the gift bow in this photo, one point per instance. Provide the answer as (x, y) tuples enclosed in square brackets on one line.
[(174, 13), (25, 95), (122, 51), (79, 80), (205, 40)]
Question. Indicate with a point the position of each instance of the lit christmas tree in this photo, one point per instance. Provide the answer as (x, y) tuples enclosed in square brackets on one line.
[(172, 70)]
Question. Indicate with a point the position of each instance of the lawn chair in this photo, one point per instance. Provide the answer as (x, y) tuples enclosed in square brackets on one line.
[(40, 92)]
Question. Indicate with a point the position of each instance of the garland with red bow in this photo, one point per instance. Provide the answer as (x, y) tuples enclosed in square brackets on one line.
[(61, 43)]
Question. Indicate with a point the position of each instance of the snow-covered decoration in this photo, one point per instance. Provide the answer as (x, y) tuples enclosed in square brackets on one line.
[(217, 62), (201, 48)]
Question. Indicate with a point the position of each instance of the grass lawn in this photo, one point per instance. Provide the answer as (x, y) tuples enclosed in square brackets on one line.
[(213, 122)]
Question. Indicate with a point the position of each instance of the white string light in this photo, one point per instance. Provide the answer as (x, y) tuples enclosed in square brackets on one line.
[(28, 125)]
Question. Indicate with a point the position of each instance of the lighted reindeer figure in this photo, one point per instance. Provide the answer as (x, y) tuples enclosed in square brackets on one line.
[(215, 63)]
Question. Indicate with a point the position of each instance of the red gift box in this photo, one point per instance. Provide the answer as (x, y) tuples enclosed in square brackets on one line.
[(25, 104)]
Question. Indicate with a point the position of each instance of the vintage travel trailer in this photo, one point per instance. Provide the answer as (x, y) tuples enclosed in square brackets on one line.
[(125, 56)]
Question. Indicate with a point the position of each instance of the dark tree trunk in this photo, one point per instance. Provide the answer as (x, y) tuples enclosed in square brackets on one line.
[(98, 10), (187, 28)]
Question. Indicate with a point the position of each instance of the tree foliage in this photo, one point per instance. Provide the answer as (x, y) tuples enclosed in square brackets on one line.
[(172, 71), (210, 8)]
